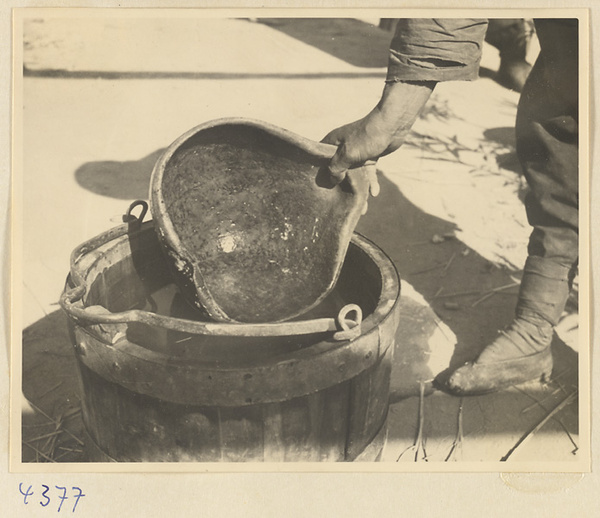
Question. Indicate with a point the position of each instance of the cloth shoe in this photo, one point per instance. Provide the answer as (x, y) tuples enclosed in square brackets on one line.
[(522, 352)]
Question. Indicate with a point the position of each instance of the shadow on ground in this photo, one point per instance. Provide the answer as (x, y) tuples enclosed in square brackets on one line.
[(122, 180), (353, 41), (356, 42), (53, 432), (437, 265), (505, 137)]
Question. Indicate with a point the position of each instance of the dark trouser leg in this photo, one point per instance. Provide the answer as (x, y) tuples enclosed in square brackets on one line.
[(511, 37), (547, 144)]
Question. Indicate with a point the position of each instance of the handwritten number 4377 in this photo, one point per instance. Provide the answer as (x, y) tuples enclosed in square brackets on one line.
[(46, 497)]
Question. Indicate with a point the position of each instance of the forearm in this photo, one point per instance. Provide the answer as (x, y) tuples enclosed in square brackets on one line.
[(383, 129), (398, 109)]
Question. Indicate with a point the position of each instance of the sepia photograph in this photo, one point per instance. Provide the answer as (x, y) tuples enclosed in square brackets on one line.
[(243, 240)]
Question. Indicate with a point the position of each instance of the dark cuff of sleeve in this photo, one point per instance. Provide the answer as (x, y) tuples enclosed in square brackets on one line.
[(436, 50)]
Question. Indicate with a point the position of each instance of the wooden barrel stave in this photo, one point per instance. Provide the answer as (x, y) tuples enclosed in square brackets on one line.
[(325, 402), (335, 424)]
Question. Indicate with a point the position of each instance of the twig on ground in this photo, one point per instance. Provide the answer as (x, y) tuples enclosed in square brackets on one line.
[(53, 388), (418, 446), (53, 445), (62, 455), (66, 453), (37, 409), (443, 272), (70, 449), (560, 375), (38, 425), (560, 386), (513, 284), (457, 443), (38, 452), (425, 270), (492, 292), (72, 413), (45, 436), (567, 401), (538, 402), (458, 294), (476, 292), (482, 299), (51, 442), (555, 419)]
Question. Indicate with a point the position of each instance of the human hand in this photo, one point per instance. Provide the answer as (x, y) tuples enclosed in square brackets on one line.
[(381, 132), (359, 143)]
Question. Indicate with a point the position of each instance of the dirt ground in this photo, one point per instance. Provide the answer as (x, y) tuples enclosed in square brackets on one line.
[(450, 212)]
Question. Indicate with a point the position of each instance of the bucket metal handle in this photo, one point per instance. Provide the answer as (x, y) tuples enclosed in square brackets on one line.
[(343, 327)]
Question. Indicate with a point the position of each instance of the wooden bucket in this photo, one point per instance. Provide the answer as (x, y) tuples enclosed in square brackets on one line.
[(154, 392)]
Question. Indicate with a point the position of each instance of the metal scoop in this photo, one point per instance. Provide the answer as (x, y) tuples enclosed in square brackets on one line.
[(254, 226)]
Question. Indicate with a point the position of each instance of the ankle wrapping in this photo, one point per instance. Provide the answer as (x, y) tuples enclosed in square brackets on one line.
[(544, 290)]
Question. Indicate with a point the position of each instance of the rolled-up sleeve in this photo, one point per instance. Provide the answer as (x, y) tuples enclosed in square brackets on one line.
[(426, 49)]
